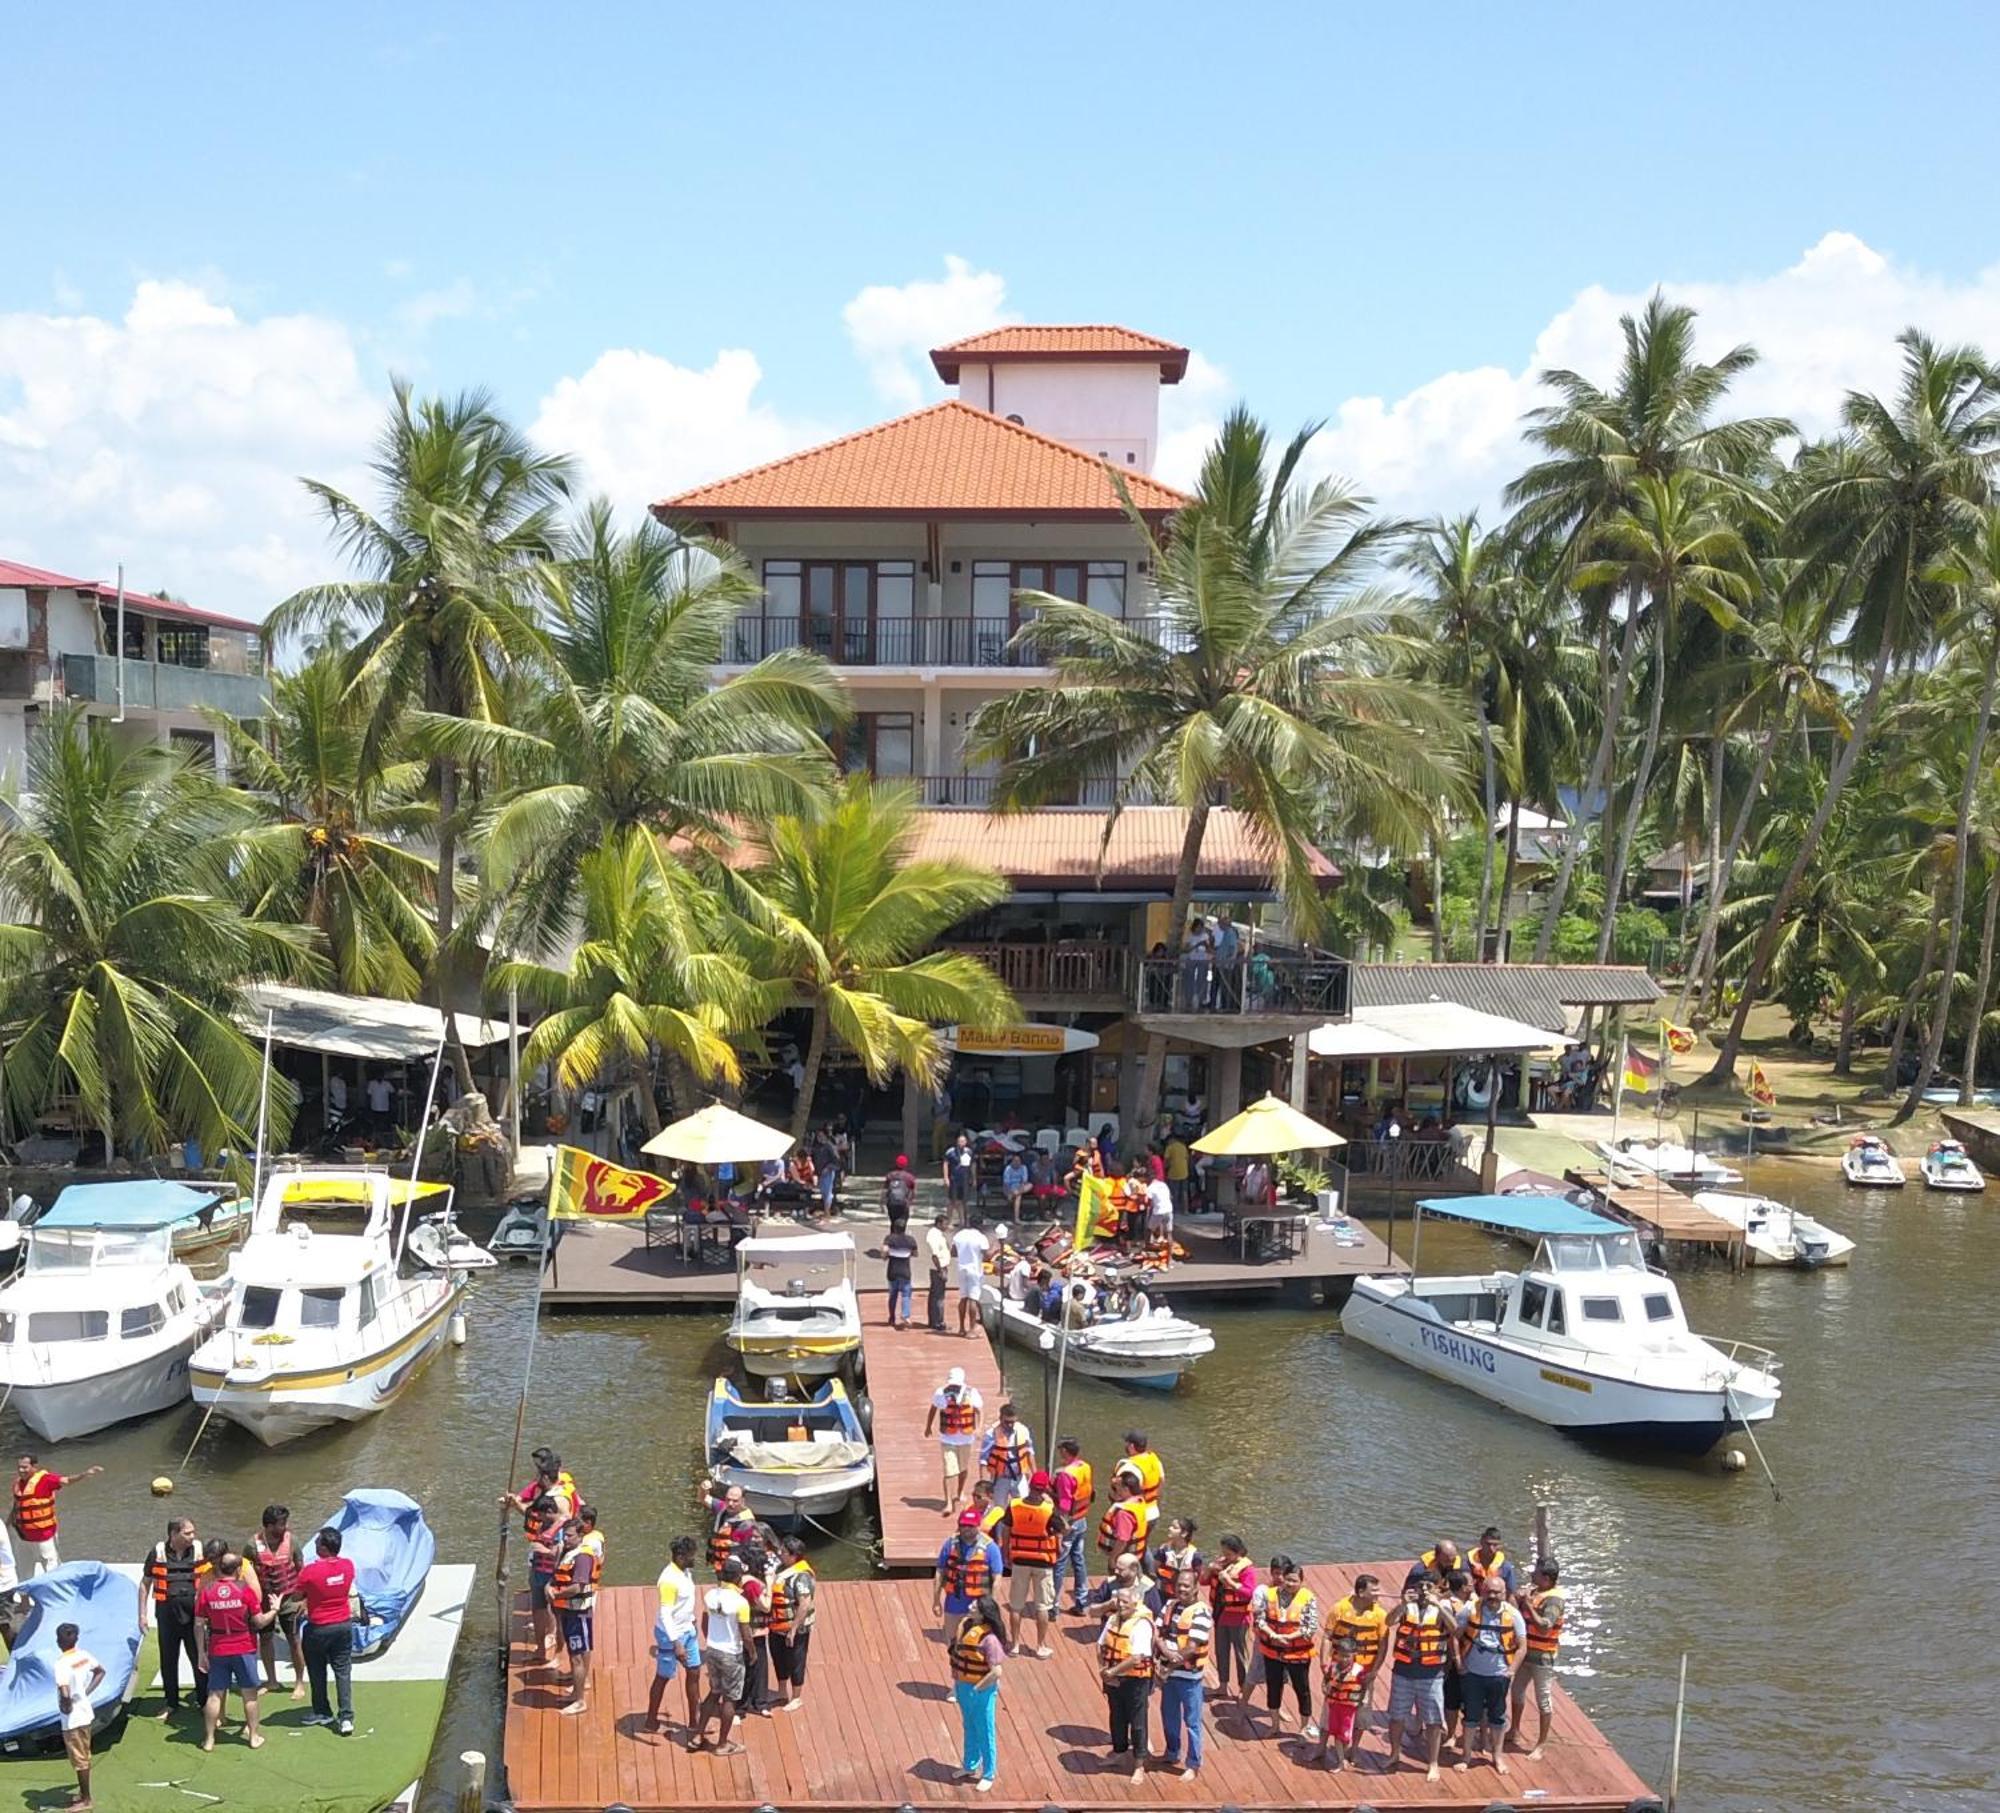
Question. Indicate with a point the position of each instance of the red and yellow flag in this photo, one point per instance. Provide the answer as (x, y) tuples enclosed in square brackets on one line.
[(1761, 1091), (1680, 1040), (584, 1187), (1095, 1205)]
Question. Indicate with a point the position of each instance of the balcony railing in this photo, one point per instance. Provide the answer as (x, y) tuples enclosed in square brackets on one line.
[(1259, 982), (1082, 967), (897, 641), (163, 686), (976, 790)]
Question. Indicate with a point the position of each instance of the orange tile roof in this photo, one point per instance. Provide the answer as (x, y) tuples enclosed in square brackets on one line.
[(950, 460), (1059, 850), (1090, 342)]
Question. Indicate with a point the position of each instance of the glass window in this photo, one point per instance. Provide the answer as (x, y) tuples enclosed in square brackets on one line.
[(146, 1319), (259, 1308), (367, 1301), (1659, 1308), (992, 587), (1104, 587), (7, 1328), (1534, 1300), (320, 1308), (1066, 581), (1555, 1323), (894, 735), (182, 644), (69, 1325), (1602, 1309)]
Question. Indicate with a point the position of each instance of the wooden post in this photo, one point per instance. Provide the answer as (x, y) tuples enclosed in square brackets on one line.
[(472, 1789), (1541, 1533), (1680, 1716)]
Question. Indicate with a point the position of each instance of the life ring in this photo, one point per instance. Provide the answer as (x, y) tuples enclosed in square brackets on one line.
[(1475, 1087)]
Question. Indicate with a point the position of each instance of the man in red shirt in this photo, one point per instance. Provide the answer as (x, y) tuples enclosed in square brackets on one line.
[(34, 1515), (327, 1585), (228, 1614)]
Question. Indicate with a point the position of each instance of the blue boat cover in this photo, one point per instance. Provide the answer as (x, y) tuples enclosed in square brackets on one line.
[(1523, 1214), (104, 1606), (384, 1534), (145, 1202)]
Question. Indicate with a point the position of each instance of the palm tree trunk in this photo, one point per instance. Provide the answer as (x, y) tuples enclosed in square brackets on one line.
[(815, 1051), (1980, 993), (1704, 956), (1724, 1068), (1900, 1037), (1437, 898), (1507, 880), (1152, 1074), (1711, 834), (1492, 800), (1843, 1050), (438, 689), (1967, 786), (1600, 769), (1614, 882)]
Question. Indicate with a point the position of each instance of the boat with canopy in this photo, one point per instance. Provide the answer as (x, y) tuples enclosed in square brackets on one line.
[(1587, 1337), (796, 1313)]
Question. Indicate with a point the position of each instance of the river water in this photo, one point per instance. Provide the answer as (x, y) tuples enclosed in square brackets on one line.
[(1816, 1678)]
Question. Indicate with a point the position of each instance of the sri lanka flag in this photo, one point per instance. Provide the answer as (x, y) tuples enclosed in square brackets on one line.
[(1642, 1073), (1680, 1040), (584, 1187), (1761, 1091)]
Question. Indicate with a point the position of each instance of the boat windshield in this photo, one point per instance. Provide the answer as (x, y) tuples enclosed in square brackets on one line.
[(78, 1249), (1590, 1252)]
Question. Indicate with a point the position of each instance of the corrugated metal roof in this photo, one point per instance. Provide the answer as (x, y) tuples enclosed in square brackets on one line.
[(1425, 1029), (1536, 992), (19, 573), (1080, 342)]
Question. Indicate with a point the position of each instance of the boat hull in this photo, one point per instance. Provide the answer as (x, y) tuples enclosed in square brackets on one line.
[(58, 1411), (1156, 1367), (785, 1501), (1589, 1406), (1860, 1179), (774, 1357)]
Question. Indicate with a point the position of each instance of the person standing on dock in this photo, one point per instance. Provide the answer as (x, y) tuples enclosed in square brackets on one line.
[(967, 1566), (978, 1654), (1007, 1456), (78, 1675), (1121, 1530), (794, 1607), (1421, 1643), (1232, 1586), (276, 1558), (1440, 1558), (573, 1593), (1488, 1557), (174, 1575), (1284, 1611), (725, 1640), (1176, 1556), (1345, 1681), (1145, 1466), (327, 1585), (1075, 1488), (546, 1503), (1361, 1619), (34, 1515), (1541, 1606), (954, 1414), (899, 1249), (969, 1247), (1125, 1666), (1031, 1537), (676, 1647), (1186, 1633), (937, 1248), (228, 1614), (1491, 1633), (731, 1523)]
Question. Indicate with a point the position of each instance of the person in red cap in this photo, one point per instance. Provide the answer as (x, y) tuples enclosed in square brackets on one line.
[(968, 1568), (899, 1193), (1031, 1538)]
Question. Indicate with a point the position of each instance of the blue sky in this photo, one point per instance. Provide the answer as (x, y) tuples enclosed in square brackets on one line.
[(1329, 204)]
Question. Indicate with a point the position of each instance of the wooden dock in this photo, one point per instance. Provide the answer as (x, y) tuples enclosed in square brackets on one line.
[(878, 1730), (1664, 1214), (905, 1366)]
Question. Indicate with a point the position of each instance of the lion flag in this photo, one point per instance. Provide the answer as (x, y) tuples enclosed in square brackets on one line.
[(584, 1187), (1761, 1091), (1680, 1040)]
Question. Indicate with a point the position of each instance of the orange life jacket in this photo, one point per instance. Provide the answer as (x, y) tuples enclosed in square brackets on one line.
[(968, 1651), (1476, 1621), (1082, 1488), (968, 1574), (1107, 1540), (957, 1415), (786, 1604), (727, 1534), (35, 1507), (1030, 1540), (1480, 1569), (1115, 1646), (1287, 1639), (564, 1593), (1167, 1571), (1181, 1620), (1230, 1596), (1365, 1628), (1343, 1684), (1421, 1644), (159, 1570), (1543, 1642), (1009, 1459)]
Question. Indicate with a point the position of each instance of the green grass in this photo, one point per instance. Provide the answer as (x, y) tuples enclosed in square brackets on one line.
[(144, 1764)]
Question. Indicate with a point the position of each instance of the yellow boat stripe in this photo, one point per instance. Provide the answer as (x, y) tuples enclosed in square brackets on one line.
[(338, 1375)]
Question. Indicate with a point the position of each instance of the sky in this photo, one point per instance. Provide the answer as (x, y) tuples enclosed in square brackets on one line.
[(675, 241)]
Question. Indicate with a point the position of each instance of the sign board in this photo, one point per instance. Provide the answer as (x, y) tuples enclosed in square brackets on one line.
[(1023, 1041)]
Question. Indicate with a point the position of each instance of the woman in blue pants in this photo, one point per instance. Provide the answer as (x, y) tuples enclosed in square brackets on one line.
[(978, 1649)]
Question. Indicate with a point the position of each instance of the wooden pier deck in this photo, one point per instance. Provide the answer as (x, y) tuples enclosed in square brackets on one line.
[(1664, 1214), (905, 1366), (611, 1267), (879, 1730)]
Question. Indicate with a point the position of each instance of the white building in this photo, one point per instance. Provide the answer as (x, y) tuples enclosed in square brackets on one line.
[(59, 642)]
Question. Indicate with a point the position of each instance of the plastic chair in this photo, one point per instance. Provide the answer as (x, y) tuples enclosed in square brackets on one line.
[(1049, 1139)]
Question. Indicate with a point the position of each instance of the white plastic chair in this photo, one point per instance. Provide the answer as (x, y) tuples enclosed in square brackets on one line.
[(1049, 1139)]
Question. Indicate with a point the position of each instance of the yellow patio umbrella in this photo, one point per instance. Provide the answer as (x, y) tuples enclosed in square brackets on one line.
[(718, 1135), (1265, 1127)]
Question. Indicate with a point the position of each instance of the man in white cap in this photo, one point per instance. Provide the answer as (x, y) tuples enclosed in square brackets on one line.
[(955, 1414)]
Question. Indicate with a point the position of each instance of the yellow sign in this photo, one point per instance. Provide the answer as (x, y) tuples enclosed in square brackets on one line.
[(1000, 1041)]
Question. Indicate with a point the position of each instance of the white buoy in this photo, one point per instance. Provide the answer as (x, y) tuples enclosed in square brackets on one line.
[(458, 1328), (1734, 1460)]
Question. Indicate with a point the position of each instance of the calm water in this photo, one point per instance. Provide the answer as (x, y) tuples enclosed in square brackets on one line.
[(1815, 1680)]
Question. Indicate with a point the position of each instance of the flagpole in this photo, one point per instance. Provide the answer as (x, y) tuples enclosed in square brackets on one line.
[(1660, 1086), (1618, 1088)]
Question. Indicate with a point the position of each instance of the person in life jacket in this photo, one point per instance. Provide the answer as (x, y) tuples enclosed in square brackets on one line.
[(1284, 1612), (573, 1593), (1491, 1635), (1360, 1620), (1440, 1558), (1232, 1584), (1145, 1466), (731, 1522), (794, 1608), (1421, 1639), (954, 1414), (1185, 1635), (987, 1509), (1541, 1608), (1176, 1556), (1075, 1488), (1122, 1528), (274, 1554), (1488, 1557), (967, 1566), (174, 1573), (976, 1642), (545, 1504), (1031, 1538), (1346, 1682), (1007, 1455), (1125, 1666), (33, 1518)]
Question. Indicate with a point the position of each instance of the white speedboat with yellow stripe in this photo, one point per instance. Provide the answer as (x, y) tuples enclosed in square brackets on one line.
[(797, 1314), (321, 1326)]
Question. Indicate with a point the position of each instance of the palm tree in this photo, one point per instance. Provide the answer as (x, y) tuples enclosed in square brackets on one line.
[(122, 962), (1884, 508), (1267, 684), (630, 729), (449, 561), (322, 842), (839, 916), (1657, 421), (648, 979)]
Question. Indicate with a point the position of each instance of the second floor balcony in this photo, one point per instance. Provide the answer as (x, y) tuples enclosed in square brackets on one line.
[(1079, 972), (896, 641), (164, 686)]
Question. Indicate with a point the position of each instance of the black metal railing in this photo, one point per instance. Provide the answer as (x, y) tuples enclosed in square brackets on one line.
[(1252, 982), (897, 641), (976, 790)]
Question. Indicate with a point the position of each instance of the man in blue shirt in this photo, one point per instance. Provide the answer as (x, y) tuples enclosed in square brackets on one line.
[(968, 1569)]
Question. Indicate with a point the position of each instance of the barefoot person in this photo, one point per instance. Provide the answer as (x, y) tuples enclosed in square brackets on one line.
[(1420, 1638), (228, 1614), (954, 1413), (1346, 1680), (1542, 1608), (1185, 1633), (794, 1609), (78, 1674), (573, 1594), (1125, 1666), (1491, 1633), (978, 1654), (276, 1558), (676, 1647), (725, 1644)]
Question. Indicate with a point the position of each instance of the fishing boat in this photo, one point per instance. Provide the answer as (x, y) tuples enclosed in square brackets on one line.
[(384, 1534), (1775, 1233), (1869, 1164), (323, 1327), (440, 1243), (104, 1606), (1152, 1350), (1587, 1338), (793, 1457), (796, 1310), (523, 1233), (98, 1325), (1666, 1159), (1946, 1165)]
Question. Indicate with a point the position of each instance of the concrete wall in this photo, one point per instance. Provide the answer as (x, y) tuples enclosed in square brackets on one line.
[(1111, 411)]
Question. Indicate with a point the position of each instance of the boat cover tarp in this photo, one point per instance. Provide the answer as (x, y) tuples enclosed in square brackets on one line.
[(142, 1202), (1532, 1215), (739, 1449), (803, 1249), (384, 1534), (104, 1606)]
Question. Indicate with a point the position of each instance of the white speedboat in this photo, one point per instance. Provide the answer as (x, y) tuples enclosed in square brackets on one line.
[(793, 1457), (1666, 1159), (796, 1312), (1948, 1166), (323, 1327), (98, 1325), (1587, 1338), (1775, 1233), (1869, 1164), (1152, 1350)]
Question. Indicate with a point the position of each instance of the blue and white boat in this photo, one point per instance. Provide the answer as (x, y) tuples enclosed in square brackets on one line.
[(1588, 1338), (793, 1457), (384, 1534), (104, 1606)]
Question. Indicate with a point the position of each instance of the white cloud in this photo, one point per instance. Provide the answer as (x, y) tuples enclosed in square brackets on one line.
[(173, 439), (894, 326), (642, 427), (1190, 413), (450, 302)]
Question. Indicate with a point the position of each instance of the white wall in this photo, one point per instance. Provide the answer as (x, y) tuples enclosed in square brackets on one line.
[(1110, 410)]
